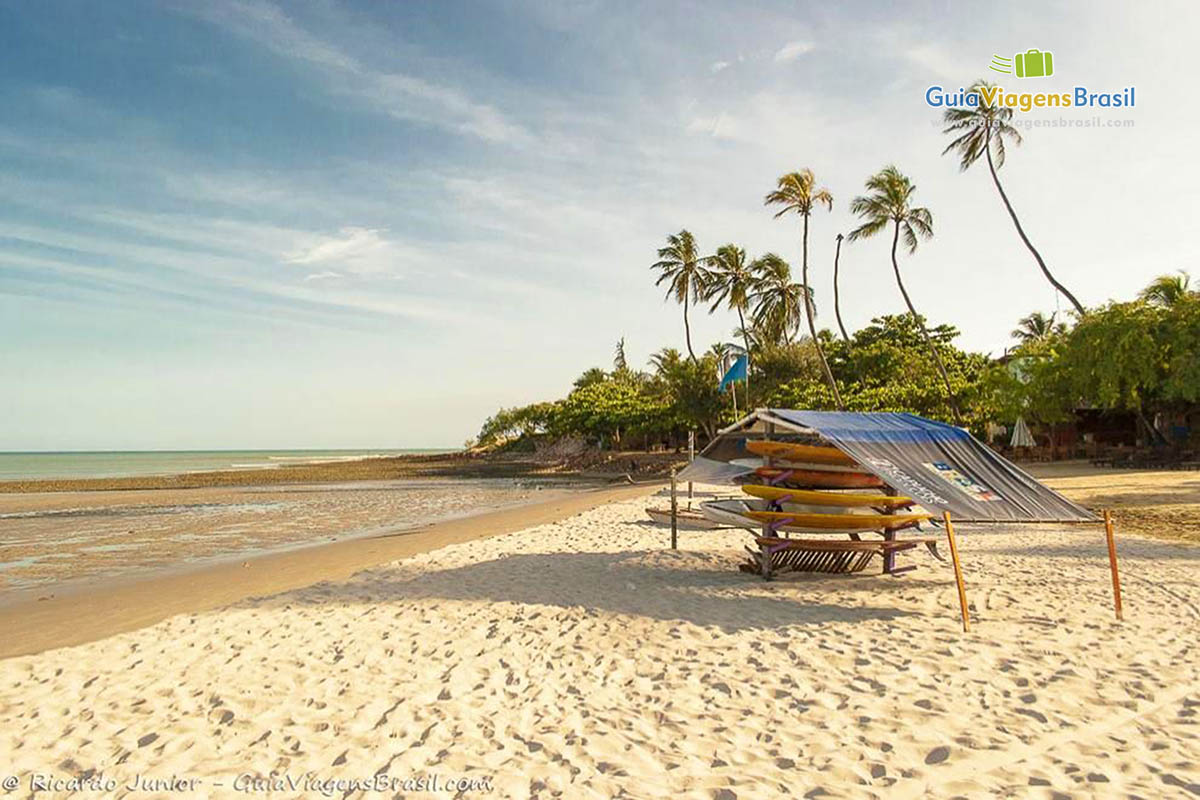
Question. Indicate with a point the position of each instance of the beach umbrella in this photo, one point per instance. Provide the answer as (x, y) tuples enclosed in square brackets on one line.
[(1021, 437)]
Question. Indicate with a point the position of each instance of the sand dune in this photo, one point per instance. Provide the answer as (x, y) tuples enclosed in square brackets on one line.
[(582, 659)]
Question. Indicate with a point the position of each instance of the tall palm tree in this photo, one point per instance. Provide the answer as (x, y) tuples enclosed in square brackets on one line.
[(837, 303), (889, 202), (797, 193), (1167, 290), (1037, 326), (687, 279), (978, 131), (732, 283), (778, 301)]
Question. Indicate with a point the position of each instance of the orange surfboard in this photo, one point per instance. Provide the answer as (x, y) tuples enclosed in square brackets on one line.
[(819, 479), (807, 453)]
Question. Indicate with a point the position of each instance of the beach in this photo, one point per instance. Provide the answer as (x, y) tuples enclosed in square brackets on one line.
[(576, 655)]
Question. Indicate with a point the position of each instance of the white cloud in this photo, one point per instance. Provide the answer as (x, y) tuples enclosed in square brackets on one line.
[(793, 50), (363, 251), (717, 66), (323, 276)]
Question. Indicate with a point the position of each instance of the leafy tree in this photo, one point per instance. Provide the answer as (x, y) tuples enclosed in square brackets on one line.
[(512, 423), (689, 390), (889, 203), (687, 279), (797, 193), (1115, 358), (1181, 338), (890, 371), (786, 362), (608, 410), (980, 130)]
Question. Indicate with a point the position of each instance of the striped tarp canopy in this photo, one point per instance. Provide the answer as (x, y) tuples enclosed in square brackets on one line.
[(941, 466)]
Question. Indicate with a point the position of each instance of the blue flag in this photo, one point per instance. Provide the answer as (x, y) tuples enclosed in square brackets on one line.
[(736, 373)]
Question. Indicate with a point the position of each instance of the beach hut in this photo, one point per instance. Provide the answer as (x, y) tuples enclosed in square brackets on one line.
[(940, 468)]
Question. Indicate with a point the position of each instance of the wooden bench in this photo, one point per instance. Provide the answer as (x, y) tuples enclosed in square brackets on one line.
[(836, 556)]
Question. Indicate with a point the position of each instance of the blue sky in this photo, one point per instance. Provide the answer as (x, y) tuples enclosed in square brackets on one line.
[(335, 224)]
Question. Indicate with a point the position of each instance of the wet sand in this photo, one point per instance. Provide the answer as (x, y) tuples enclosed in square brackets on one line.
[(49, 538), (60, 616)]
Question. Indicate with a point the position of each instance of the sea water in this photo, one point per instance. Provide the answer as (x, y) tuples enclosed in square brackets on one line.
[(118, 464)]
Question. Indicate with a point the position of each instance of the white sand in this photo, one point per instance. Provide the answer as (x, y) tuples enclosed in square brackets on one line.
[(582, 659)]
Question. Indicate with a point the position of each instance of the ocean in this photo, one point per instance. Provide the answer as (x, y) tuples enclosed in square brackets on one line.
[(119, 464)]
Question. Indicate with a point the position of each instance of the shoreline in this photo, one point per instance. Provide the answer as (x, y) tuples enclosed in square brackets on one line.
[(87, 612), (453, 464)]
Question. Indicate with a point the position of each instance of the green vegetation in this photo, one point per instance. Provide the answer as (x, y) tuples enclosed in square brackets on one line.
[(1138, 357)]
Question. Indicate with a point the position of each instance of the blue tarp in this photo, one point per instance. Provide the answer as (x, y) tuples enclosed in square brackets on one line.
[(942, 467)]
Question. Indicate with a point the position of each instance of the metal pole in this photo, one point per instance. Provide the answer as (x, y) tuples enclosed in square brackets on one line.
[(1112, 563), (958, 579), (674, 514), (691, 458)]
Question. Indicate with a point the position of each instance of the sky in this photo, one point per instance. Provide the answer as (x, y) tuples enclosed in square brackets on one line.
[(239, 224)]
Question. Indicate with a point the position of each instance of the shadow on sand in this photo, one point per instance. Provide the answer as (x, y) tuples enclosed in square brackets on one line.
[(659, 585), (1126, 549)]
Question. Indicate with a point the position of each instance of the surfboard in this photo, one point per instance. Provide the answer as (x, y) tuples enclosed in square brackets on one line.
[(819, 479), (806, 453), (685, 519), (783, 494), (836, 522)]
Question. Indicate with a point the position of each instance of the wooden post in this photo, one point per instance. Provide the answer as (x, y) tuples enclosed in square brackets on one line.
[(962, 592), (1112, 563), (674, 514)]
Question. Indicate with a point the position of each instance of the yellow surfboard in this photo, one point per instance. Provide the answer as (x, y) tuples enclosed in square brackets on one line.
[(783, 494), (845, 523), (804, 453)]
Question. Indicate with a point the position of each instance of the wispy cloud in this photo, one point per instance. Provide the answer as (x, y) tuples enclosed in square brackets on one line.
[(400, 95), (363, 251), (718, 66), (792, 50), (323, 276)]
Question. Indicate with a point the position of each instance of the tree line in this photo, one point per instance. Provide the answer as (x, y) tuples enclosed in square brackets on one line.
[(1137, 356)]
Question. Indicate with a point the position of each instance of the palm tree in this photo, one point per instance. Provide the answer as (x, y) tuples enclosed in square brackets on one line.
[(889, 203), (778, 301), (837, 305), (590, 376), (732, 282), (687, 278), (1167, 290), (665, 360), (979, 130), (796, 192), (1037, 326)]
